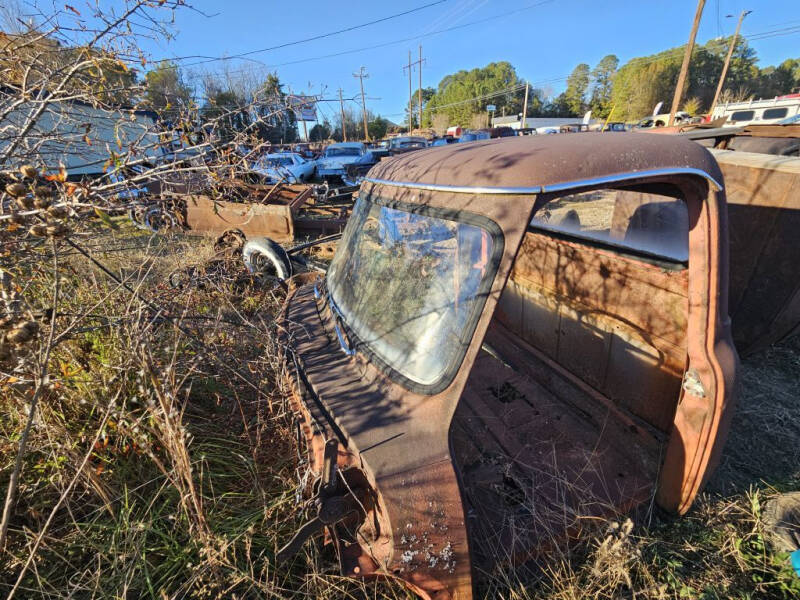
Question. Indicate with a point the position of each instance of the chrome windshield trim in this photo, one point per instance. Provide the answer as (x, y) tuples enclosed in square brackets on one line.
[(556, 187), (457, 189), (568, 185)]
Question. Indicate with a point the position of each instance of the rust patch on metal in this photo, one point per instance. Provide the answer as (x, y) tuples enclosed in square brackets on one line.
[(210, 217)]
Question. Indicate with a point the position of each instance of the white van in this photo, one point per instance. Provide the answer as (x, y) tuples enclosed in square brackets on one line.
[(759, 112)]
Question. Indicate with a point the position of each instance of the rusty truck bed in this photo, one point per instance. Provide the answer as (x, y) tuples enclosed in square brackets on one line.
[(281, 212)]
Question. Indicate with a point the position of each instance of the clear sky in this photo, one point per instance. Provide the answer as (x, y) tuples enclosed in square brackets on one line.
[(544, 40)]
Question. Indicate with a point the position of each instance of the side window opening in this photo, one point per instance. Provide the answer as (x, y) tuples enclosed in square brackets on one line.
[(775, 113), (644, 221), (742, 115)]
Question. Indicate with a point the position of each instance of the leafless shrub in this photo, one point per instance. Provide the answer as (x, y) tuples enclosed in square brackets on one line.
[(107, 374)]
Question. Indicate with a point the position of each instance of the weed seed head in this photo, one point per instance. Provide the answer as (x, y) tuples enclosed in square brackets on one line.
[(57, 212), (38, 230), (25, 202), (16, 189), (28, 171), (23, 333)]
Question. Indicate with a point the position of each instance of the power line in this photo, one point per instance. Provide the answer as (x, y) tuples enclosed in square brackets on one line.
[(400, 41), (306, 40)]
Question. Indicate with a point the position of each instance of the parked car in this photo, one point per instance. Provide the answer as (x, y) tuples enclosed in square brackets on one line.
[(474, 136), (574, 128), (496, 132), (288, 167), (356, 170), (614, 126), (334, 160), (496, 356), (443, 141), (399, 145), (662, 120), (305, 151)]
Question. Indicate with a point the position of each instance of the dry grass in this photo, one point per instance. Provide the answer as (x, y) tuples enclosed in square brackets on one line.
[(161, 464)]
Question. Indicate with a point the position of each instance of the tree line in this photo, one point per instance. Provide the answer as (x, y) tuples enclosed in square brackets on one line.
[(624, 93)]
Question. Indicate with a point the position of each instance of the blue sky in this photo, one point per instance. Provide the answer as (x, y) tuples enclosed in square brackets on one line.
[(543, 40)]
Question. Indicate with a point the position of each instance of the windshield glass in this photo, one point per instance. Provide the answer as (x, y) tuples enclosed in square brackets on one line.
[(347, 151), (411, 286), (407, 143), (279, 161)]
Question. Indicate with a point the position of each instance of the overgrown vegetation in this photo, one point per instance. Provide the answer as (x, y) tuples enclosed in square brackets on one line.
[(161, 464)]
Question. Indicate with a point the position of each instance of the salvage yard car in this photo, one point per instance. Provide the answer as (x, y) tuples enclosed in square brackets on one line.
[(514, 338), (356, 170), (287, 167), (402, 144), (334, 161)]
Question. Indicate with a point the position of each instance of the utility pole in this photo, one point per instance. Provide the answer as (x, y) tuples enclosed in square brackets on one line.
[(410, 96), (525, 105), (341, 108), (676, 99), (410, 67), (419, 92), (361, 75), (728, 61)]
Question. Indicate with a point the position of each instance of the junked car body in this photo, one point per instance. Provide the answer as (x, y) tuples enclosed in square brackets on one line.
[(288, 167), (662, 120), (513, 337), (473, 136), (402, 144), (356, 170), (334, 161)]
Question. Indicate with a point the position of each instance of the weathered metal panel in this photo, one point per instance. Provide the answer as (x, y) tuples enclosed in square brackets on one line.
[(763, 194), (209, 217)]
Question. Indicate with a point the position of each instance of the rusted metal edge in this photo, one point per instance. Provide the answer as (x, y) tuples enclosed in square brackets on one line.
[(555, 187)]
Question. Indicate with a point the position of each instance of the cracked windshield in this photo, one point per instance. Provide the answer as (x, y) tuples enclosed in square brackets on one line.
[(407, 285)]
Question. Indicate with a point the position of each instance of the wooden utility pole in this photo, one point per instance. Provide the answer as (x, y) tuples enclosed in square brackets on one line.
[(419, 92), (676, 99), (410, 67), (341, 108), (361, 76), (410, 96), (525, 105), (727, 61)]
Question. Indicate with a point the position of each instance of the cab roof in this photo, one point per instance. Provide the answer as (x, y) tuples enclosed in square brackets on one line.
[(546, 161)]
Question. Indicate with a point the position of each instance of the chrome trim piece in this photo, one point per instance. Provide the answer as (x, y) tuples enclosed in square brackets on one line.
[(345, 348), (457, 189), (559, 187), (337, 316), (556, 187)]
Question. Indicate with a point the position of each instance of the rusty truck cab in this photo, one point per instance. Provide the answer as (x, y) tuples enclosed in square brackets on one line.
[(514, 337)]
